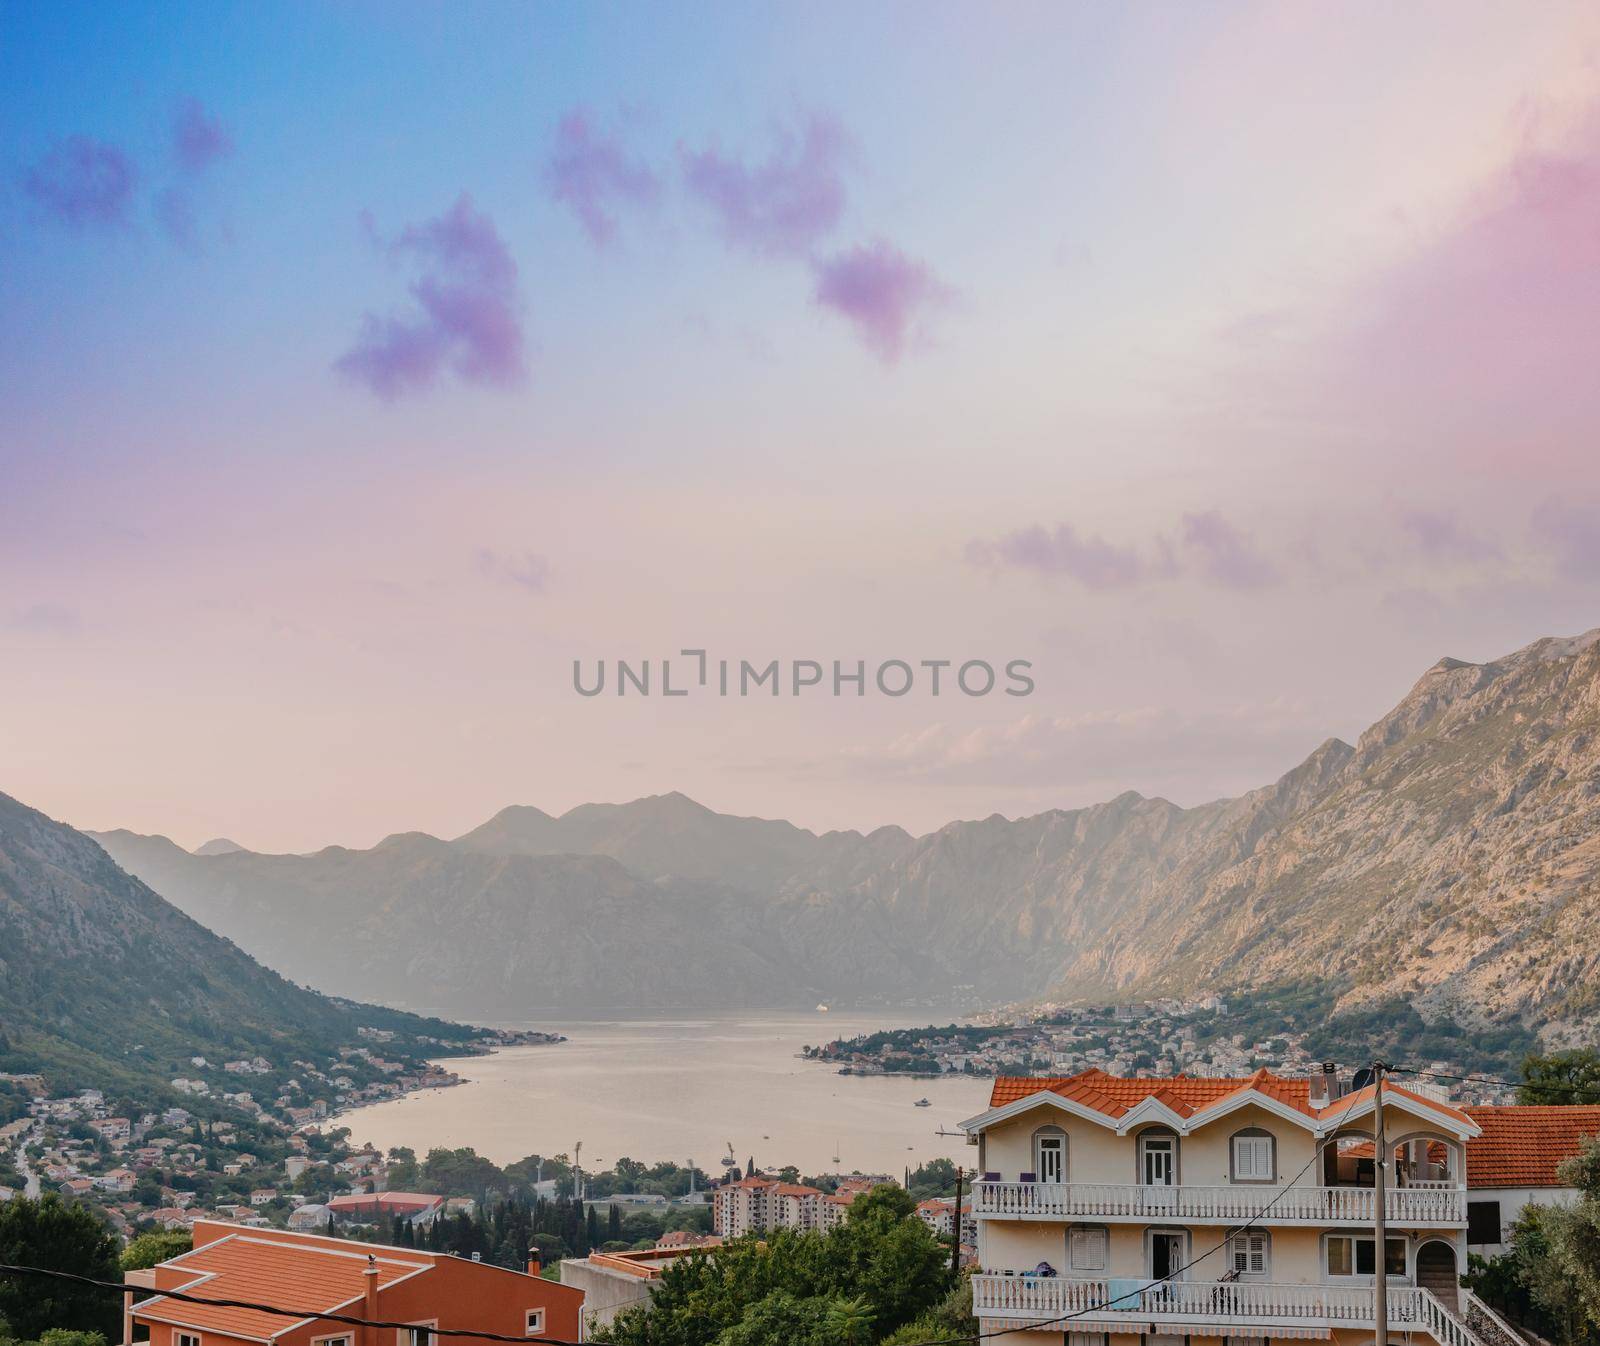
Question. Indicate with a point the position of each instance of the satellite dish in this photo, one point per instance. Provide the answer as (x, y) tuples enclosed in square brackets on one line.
[(1363, 1078)]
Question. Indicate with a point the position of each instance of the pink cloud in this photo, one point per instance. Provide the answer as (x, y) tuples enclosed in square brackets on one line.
[(1482, 341), (83, 182), (1442, 535), (467, 319), (198, 141), (1091, 561), (881, 291), (1224, 554), (591, 174), (1571, 532), (526, 570), (782, 206), (1208, 548)]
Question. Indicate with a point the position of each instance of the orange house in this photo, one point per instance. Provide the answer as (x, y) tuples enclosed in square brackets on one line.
[(431, 1294)]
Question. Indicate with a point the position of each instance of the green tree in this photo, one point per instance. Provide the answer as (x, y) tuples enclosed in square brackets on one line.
[(62, 1336), (403, 1172), (1571, 1076), (792, 1286), (850, 1321), (157, 1246), (55, 1236), (1551, 1276)]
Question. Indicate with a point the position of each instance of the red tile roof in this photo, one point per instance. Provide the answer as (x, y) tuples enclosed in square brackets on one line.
[(272, 1272), (1521, 1146), (1186, 1095), (1115, 1095)]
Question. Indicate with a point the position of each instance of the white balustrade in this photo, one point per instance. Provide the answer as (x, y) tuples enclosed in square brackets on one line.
[(1131, 1201), (1200, 1304)]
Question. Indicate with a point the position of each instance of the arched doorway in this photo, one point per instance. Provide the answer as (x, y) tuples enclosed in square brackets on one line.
[(1436, 1271)]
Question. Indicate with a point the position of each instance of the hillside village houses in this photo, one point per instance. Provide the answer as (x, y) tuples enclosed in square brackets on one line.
[(1104, 1207)]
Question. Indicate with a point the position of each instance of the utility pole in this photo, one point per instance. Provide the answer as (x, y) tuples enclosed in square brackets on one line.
[(1380, 1158), (955, 1226)]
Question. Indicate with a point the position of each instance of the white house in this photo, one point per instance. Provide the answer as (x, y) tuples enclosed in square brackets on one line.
[(1109, 1211)]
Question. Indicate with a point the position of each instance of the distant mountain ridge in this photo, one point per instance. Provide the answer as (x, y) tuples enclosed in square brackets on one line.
[(1450, 856), (105, 984)]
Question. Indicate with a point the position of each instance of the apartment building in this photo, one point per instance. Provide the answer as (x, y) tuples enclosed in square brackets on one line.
[(311, 1274), (757, 1205), (1108, 1211)]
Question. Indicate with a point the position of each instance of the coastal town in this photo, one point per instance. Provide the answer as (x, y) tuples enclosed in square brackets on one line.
[(232, 1149), (1042, 1221), (1198, 1036)]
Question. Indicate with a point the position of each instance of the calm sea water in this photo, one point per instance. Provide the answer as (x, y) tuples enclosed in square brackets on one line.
[(683, 1088)]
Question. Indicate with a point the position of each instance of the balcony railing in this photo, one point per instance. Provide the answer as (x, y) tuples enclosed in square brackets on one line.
[(1406, 1206), (1179, 1306)]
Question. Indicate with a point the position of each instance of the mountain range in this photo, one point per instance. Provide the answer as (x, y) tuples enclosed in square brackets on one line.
[(104, 984), (1449, 857)]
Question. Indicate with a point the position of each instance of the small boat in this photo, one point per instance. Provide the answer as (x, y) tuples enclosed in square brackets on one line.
[(922, 1103), (822, 1009)]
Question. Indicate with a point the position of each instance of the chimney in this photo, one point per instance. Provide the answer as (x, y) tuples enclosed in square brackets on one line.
[(533, 1261), (1330, 1080), (370, 1299)]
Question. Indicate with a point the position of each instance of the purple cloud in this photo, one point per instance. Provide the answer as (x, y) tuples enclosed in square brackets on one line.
[(198, 141), (1092, 561), (1442, 535), (591, 174), (1225, 555), (467, 318), (1572, 533), (884, 293), (45, 619), (526, 570), (83, 182), (175, 211), (782, 206)]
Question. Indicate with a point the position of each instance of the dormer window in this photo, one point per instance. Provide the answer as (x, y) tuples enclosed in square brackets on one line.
[(1254, 1156), (1158, 1160), (1050, 1154)]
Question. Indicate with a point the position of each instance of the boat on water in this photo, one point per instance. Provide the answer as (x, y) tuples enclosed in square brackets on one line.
[(922, 1103), (822, 1009)]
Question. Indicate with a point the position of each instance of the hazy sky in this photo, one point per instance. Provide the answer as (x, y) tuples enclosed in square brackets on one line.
[(363, 365)]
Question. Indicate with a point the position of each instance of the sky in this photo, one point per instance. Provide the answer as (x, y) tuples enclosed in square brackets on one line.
[(366, 367)]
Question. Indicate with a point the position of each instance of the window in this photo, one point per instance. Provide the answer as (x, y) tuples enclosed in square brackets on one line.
[(1050, 1154), (1483, 1222), (1247, 1253), (418, 1334), (186, 1339), (1087, 1249), (1254, 1159), (1158, 1160), (1352, 1255), (535, 1322)]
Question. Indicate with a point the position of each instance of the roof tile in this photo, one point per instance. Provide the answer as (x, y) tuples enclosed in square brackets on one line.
[(1522, 1145)]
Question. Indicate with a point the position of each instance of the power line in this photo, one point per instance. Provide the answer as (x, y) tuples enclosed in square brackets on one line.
[(121, 1287), (1227, 1238), (349, 1321), (1555, 1086)]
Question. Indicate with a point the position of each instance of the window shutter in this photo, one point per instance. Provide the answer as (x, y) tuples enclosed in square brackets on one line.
[(1088, 1250), (1252, 1158), (1249, 1254)]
